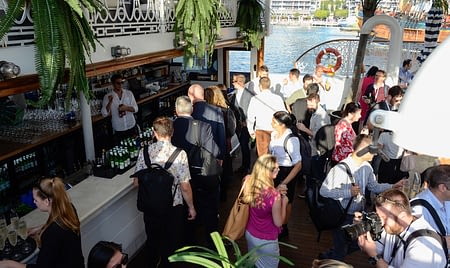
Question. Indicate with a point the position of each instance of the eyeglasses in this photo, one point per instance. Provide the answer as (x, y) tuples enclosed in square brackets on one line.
[(275, 169), (124, 261), (381, 199)]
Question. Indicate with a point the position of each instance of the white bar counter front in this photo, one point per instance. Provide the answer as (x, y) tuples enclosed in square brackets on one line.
[(107, 211)]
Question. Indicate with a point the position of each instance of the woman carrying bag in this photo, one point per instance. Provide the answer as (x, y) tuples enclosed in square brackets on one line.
[(267, 210)]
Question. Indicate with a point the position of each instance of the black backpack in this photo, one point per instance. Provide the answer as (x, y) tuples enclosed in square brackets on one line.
[(326, 213), (230, 120), (305, 152), (325, 140), (201, 161), (155, 193)]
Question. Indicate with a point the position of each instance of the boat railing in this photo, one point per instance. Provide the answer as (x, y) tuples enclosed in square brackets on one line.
[(376, 55)]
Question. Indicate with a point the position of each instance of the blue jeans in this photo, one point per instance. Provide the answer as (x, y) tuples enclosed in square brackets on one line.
[(341, 246)]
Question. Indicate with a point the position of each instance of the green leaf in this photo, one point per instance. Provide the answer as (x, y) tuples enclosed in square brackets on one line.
[(194, 259), (6, 21)]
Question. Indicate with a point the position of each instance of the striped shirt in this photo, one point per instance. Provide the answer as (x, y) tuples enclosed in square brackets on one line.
[(337, 184)]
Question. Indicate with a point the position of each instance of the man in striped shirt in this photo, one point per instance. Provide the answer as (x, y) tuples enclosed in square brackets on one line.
[(338, 185)]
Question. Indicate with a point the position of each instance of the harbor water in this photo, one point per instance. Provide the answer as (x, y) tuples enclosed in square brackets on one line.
[(285, 44)]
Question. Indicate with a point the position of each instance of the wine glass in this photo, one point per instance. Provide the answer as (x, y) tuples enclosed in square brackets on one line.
[(14, 219), (2, 242), (12, 237), (3, 225), (22, 229)]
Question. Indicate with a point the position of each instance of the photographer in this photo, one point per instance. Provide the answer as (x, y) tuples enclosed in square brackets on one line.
[(338, 186), (394, 249)]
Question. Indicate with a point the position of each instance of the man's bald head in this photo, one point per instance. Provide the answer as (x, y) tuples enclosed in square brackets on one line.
[(196, 93)]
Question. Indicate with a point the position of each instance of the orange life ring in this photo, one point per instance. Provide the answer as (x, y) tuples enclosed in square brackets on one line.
[(329, 50)]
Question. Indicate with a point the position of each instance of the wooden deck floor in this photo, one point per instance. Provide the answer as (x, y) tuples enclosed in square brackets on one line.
[(301, 234)]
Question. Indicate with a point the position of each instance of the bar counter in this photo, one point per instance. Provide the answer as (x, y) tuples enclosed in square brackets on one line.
[(107, 211)]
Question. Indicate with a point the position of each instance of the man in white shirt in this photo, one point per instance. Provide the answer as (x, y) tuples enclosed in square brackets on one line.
[(259, 115), (397, 246), (438, 196), (253, 85), (291, 85), (120, 105)]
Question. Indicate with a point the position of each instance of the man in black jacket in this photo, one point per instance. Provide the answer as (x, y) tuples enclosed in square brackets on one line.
[(205, 189)]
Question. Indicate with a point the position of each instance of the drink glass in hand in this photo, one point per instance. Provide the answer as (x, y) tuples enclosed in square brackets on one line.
[(12, 237)]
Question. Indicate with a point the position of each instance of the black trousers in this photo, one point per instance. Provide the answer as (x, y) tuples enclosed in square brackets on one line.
[(244, 139), (164, 235), (205, 190)]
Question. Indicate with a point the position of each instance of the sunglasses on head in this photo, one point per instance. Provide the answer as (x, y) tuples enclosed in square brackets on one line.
[(124, 261)]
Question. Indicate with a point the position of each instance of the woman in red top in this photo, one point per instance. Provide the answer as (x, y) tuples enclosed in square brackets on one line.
[(344, 133), (367, 80)]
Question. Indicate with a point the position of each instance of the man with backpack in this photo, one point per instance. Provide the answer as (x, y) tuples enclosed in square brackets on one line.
[(163, 222), (196, 138), (432, 203), (349, 191), (406, 241)]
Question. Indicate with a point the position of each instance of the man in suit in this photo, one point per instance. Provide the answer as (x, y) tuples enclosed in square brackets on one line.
[(209, 114), (205, 189), (241, 99)]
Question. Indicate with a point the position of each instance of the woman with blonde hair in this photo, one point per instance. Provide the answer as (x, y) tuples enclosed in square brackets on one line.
[(59, 238), (267, 210), (214, 96)]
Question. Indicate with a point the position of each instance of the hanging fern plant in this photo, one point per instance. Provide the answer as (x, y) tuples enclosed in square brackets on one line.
[(197, 24), (61, 32), (248, 20)]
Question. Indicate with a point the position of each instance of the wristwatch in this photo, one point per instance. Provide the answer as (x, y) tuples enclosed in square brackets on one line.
[(375, 259)]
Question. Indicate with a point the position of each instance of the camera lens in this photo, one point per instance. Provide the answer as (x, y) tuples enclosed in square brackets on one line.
[(353, 231)]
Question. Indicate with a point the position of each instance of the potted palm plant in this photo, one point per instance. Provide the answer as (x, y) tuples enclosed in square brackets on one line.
[(219, 259), (62, 33)]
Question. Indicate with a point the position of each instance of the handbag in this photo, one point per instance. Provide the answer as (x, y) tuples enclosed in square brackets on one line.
[(238, 218), (408, 161)]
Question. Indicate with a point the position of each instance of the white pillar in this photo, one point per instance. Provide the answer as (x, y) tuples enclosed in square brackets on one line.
[(86, 124), (395, 46)]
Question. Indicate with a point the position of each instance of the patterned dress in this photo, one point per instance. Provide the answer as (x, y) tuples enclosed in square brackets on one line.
[(344, 135)]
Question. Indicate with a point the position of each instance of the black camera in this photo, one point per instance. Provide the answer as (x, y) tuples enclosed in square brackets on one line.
[(370, 223)]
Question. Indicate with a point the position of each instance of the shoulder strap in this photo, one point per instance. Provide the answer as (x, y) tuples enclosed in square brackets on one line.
[(426, 232), (195, 132), (147, 160), (350, 175), (285, 144), (348, 170), (172, 157), (427, 205)]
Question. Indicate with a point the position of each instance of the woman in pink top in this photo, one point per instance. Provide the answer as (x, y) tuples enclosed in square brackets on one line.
[(344, 133), (267, 210)]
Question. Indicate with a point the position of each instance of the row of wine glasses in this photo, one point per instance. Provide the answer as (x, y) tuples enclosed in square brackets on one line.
[(16, 235)]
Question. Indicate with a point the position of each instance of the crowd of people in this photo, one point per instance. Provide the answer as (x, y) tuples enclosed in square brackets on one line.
[(209, 118)]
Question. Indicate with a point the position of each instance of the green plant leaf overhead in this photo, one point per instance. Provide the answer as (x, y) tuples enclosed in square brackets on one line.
[(62, 33), (198, 22), (14, 9), (248, 20)]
